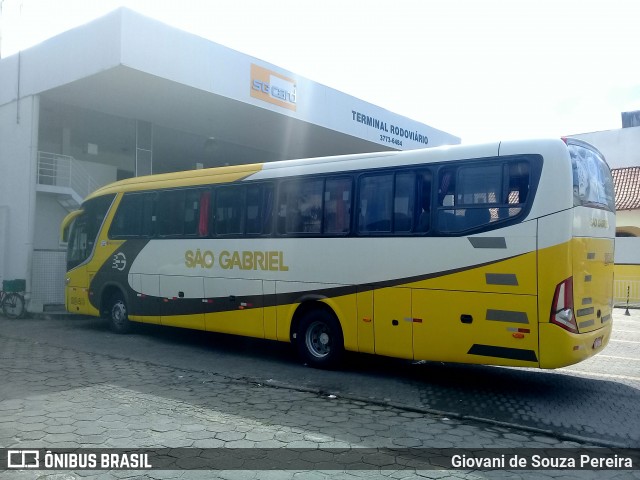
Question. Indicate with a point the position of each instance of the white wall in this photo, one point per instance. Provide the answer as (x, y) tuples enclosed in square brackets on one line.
[(627, 250), (18, 144), (49, 216), (100, 173), (4, 224), (72, 55), (628, 218)]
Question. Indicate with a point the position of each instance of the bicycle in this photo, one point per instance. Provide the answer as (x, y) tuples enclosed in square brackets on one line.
[(11, 301)]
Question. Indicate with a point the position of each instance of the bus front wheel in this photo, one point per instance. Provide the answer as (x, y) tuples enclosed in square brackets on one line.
[(319, 339), (118, 315)]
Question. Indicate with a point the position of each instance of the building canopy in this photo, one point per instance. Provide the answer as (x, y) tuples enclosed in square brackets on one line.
[(208, 105)]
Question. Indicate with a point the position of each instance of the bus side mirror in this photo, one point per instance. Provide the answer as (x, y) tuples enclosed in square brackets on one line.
[(64, 234), (65, 226)]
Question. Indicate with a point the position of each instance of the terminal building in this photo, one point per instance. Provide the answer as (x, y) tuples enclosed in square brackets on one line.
[(125, 96)]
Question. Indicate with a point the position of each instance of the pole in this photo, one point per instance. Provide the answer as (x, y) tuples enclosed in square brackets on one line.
[(627, 311)]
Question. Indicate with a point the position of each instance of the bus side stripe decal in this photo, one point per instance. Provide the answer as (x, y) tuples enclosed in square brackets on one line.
[(503, 352), (150, 305), (507, 316)]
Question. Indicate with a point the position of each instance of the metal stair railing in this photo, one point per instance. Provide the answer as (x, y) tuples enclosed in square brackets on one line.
[(66, 172)]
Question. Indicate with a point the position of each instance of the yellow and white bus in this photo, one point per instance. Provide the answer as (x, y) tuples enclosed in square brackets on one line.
[(497, 254)]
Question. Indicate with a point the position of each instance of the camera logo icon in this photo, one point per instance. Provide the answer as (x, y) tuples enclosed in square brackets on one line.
[(23, 458)]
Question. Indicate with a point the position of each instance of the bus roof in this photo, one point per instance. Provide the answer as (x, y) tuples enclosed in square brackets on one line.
[(341, 163)]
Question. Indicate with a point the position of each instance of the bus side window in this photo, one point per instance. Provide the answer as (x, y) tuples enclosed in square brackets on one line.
[(259, 209), (300, 206), (135, 216), (518, 190), (476, 217), (337, 205), (170, 213), (423, 210), (479, 188), (405, 186), (478, 195), (375, 204), (446, 217), (196, 207), (229, 207)]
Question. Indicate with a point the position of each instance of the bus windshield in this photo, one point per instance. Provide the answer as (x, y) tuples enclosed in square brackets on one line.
[(592, 181), (84, 230)]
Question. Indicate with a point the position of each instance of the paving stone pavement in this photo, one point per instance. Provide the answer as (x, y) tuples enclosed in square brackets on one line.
[(53, 397)]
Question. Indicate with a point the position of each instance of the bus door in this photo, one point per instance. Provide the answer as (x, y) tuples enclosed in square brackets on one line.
[(392, 322)]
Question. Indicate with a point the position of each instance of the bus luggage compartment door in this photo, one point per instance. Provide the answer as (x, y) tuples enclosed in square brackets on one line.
[(182, 301), (237, 306), (392, 322), (475, 327)]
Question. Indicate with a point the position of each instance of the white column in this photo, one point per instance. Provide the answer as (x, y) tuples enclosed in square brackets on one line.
[(18, 170)]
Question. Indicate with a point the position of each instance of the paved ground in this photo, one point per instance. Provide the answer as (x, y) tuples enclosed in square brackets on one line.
[(55, 394), (597, 401)]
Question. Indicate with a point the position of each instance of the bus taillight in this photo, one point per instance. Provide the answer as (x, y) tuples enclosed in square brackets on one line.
[(562, 306)]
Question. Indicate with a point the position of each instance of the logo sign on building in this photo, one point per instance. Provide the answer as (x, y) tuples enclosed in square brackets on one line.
[(272, 87)]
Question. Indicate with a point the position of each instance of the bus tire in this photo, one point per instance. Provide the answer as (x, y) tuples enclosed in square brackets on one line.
[(319, 339), (118, 315)]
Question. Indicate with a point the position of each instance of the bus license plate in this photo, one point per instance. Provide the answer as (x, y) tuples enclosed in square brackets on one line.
[(597, 342)]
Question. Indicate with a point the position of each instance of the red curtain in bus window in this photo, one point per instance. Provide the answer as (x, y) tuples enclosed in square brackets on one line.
[(203, 224)]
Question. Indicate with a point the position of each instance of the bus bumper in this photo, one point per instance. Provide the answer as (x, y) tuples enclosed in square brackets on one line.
[(77, 301), (559, 348)]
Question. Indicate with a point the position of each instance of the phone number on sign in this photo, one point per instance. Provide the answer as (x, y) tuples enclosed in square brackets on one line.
[(395, 141)]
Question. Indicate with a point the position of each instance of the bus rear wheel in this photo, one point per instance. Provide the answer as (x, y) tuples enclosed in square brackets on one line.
[(117, 314), (319, 339)]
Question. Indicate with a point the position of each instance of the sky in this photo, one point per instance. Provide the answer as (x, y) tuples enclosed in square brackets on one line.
[(479, 69)]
